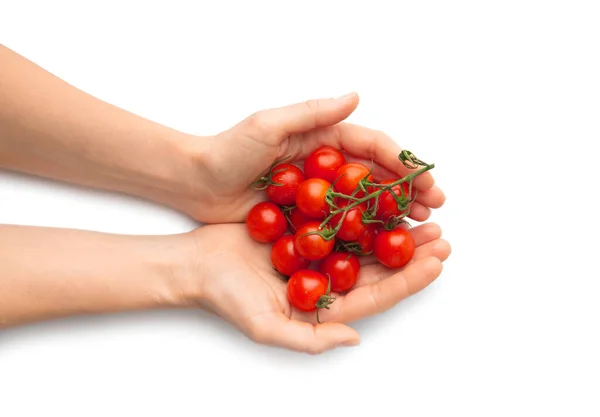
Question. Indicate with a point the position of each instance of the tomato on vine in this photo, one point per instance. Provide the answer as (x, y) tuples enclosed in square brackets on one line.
[(387, 205), (265, 222), (308, 291), (285, 257), (297, 219), (394, 248), (311, 198), (342, 269), (367, 239), (352, 225), (349, 175), (284, 182), (323, 163), (313, 242)]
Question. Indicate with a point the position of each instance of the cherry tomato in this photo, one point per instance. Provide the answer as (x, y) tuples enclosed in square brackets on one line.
[(285, 257), (305, 288), (367, 239), (387, 205), (297, 219), (286, 179), (312, 246), (395, 248), (310, 199), (266, 222), (352, 226), (323, 163), (349, 176), (342, 269)]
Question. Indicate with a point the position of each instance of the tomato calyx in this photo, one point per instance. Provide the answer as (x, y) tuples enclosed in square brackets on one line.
[(350, 247), (326, 232), (266, 179), (394, 221), (364, 183), (325, 300), (332, 195), (368, 216)]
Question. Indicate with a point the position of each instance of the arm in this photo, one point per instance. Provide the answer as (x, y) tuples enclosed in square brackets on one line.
[(49, 128), (48, 273)]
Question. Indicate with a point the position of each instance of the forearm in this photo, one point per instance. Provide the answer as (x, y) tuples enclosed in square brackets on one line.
[(47, 273), (50, 128)]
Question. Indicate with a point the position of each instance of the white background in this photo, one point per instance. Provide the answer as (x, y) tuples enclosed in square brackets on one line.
[(504, 96)]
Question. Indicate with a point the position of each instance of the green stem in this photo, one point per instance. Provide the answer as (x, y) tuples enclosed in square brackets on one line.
[(374, 194), (344, 196)]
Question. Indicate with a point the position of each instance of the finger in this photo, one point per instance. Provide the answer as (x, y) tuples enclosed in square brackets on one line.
[(376, 145), (297, 335), (272, 125), (438, 248), (434, 197), (378, 297), (419, 212)]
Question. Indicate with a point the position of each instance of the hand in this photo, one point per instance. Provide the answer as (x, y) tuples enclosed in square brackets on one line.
[(227, 163), (239, 284)]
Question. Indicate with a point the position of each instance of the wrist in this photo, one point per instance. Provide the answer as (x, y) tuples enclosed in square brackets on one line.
[(163, 169), (178, 179), (177, 259)]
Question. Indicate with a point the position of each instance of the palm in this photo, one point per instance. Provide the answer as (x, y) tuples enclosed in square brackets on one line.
[(244, 289), (247, 282)]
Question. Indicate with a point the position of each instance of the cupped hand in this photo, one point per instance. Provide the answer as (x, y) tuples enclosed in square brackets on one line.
[(239, 284), (226, 164)]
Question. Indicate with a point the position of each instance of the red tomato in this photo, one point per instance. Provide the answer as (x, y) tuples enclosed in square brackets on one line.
[(342, 269), (285, 257), (304, 289), (395, 248), (285, 180), (352, 226), (349, 176), (367, 239), (310, 199), (388, 206), (312, 246), (297, 219), (266, 222), (323, 163)]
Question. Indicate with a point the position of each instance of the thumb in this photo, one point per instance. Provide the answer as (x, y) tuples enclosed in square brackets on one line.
[(273, 125)]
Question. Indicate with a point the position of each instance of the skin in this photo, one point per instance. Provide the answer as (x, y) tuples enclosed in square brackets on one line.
[(51, 129)]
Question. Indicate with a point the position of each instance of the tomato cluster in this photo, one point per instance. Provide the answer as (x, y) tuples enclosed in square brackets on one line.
[(334, 212)]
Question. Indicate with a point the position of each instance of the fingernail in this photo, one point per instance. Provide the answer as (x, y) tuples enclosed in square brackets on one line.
[(347, 96), (350, 343)]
